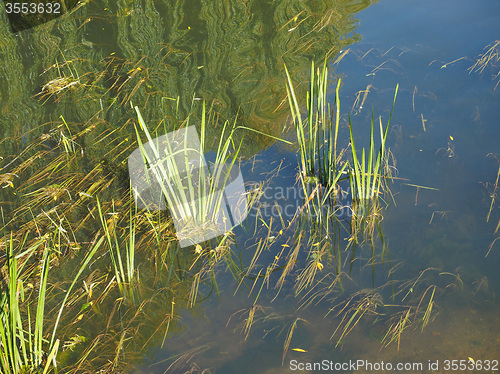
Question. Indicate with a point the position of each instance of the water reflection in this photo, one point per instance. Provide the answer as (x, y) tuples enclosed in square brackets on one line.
[(120, 51), (91, 63)]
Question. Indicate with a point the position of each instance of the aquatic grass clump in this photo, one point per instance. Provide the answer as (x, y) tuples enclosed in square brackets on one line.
[(22, 345), (321, 168), (126, 276), (25, 344), (195, 197), (193, 194), (368, 177), (197, 192), (323, 164), (320, 162), (317, 134)]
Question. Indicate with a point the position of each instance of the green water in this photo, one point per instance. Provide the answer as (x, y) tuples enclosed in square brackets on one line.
[(231, 54)]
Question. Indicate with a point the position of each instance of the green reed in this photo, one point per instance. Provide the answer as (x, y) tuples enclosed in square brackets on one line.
[(317, 137), (368, 178), (321, 169), (317, 134), (125, 275), (179, 193), (323, 165), (367, 175), (25, 344), (22, 345)]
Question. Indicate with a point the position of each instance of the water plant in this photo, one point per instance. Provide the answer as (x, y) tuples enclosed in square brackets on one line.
[(367, 175), (190, 189), (321, 161), (193, 190), (323, 165), (22, 345), (317, 135), (25, 344), (368, 179), (67, 78), (125, 275), (494, 194), (490, 58)]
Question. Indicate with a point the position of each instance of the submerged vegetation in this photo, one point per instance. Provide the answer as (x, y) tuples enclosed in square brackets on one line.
[(24, 350), (324, 164), (90, 280), (494, 191), (124, 259), (127, 262), (67, 205), (490, 58)]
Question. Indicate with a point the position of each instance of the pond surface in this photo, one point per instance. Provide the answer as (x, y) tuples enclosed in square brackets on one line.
[(444, 137)]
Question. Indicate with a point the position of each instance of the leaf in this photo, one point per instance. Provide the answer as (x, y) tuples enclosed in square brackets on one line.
[(86, 306), (299, 350)]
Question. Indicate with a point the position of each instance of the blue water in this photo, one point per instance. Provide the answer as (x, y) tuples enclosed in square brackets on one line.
[(443, 230)]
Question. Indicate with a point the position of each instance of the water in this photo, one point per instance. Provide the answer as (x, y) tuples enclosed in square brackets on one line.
[(444, 137), (443, 231)]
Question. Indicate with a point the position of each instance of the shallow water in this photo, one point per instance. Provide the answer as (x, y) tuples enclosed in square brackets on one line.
[(444, 231), (444, 134)]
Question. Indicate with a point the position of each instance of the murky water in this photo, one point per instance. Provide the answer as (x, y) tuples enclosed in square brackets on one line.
[(444, 137)]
